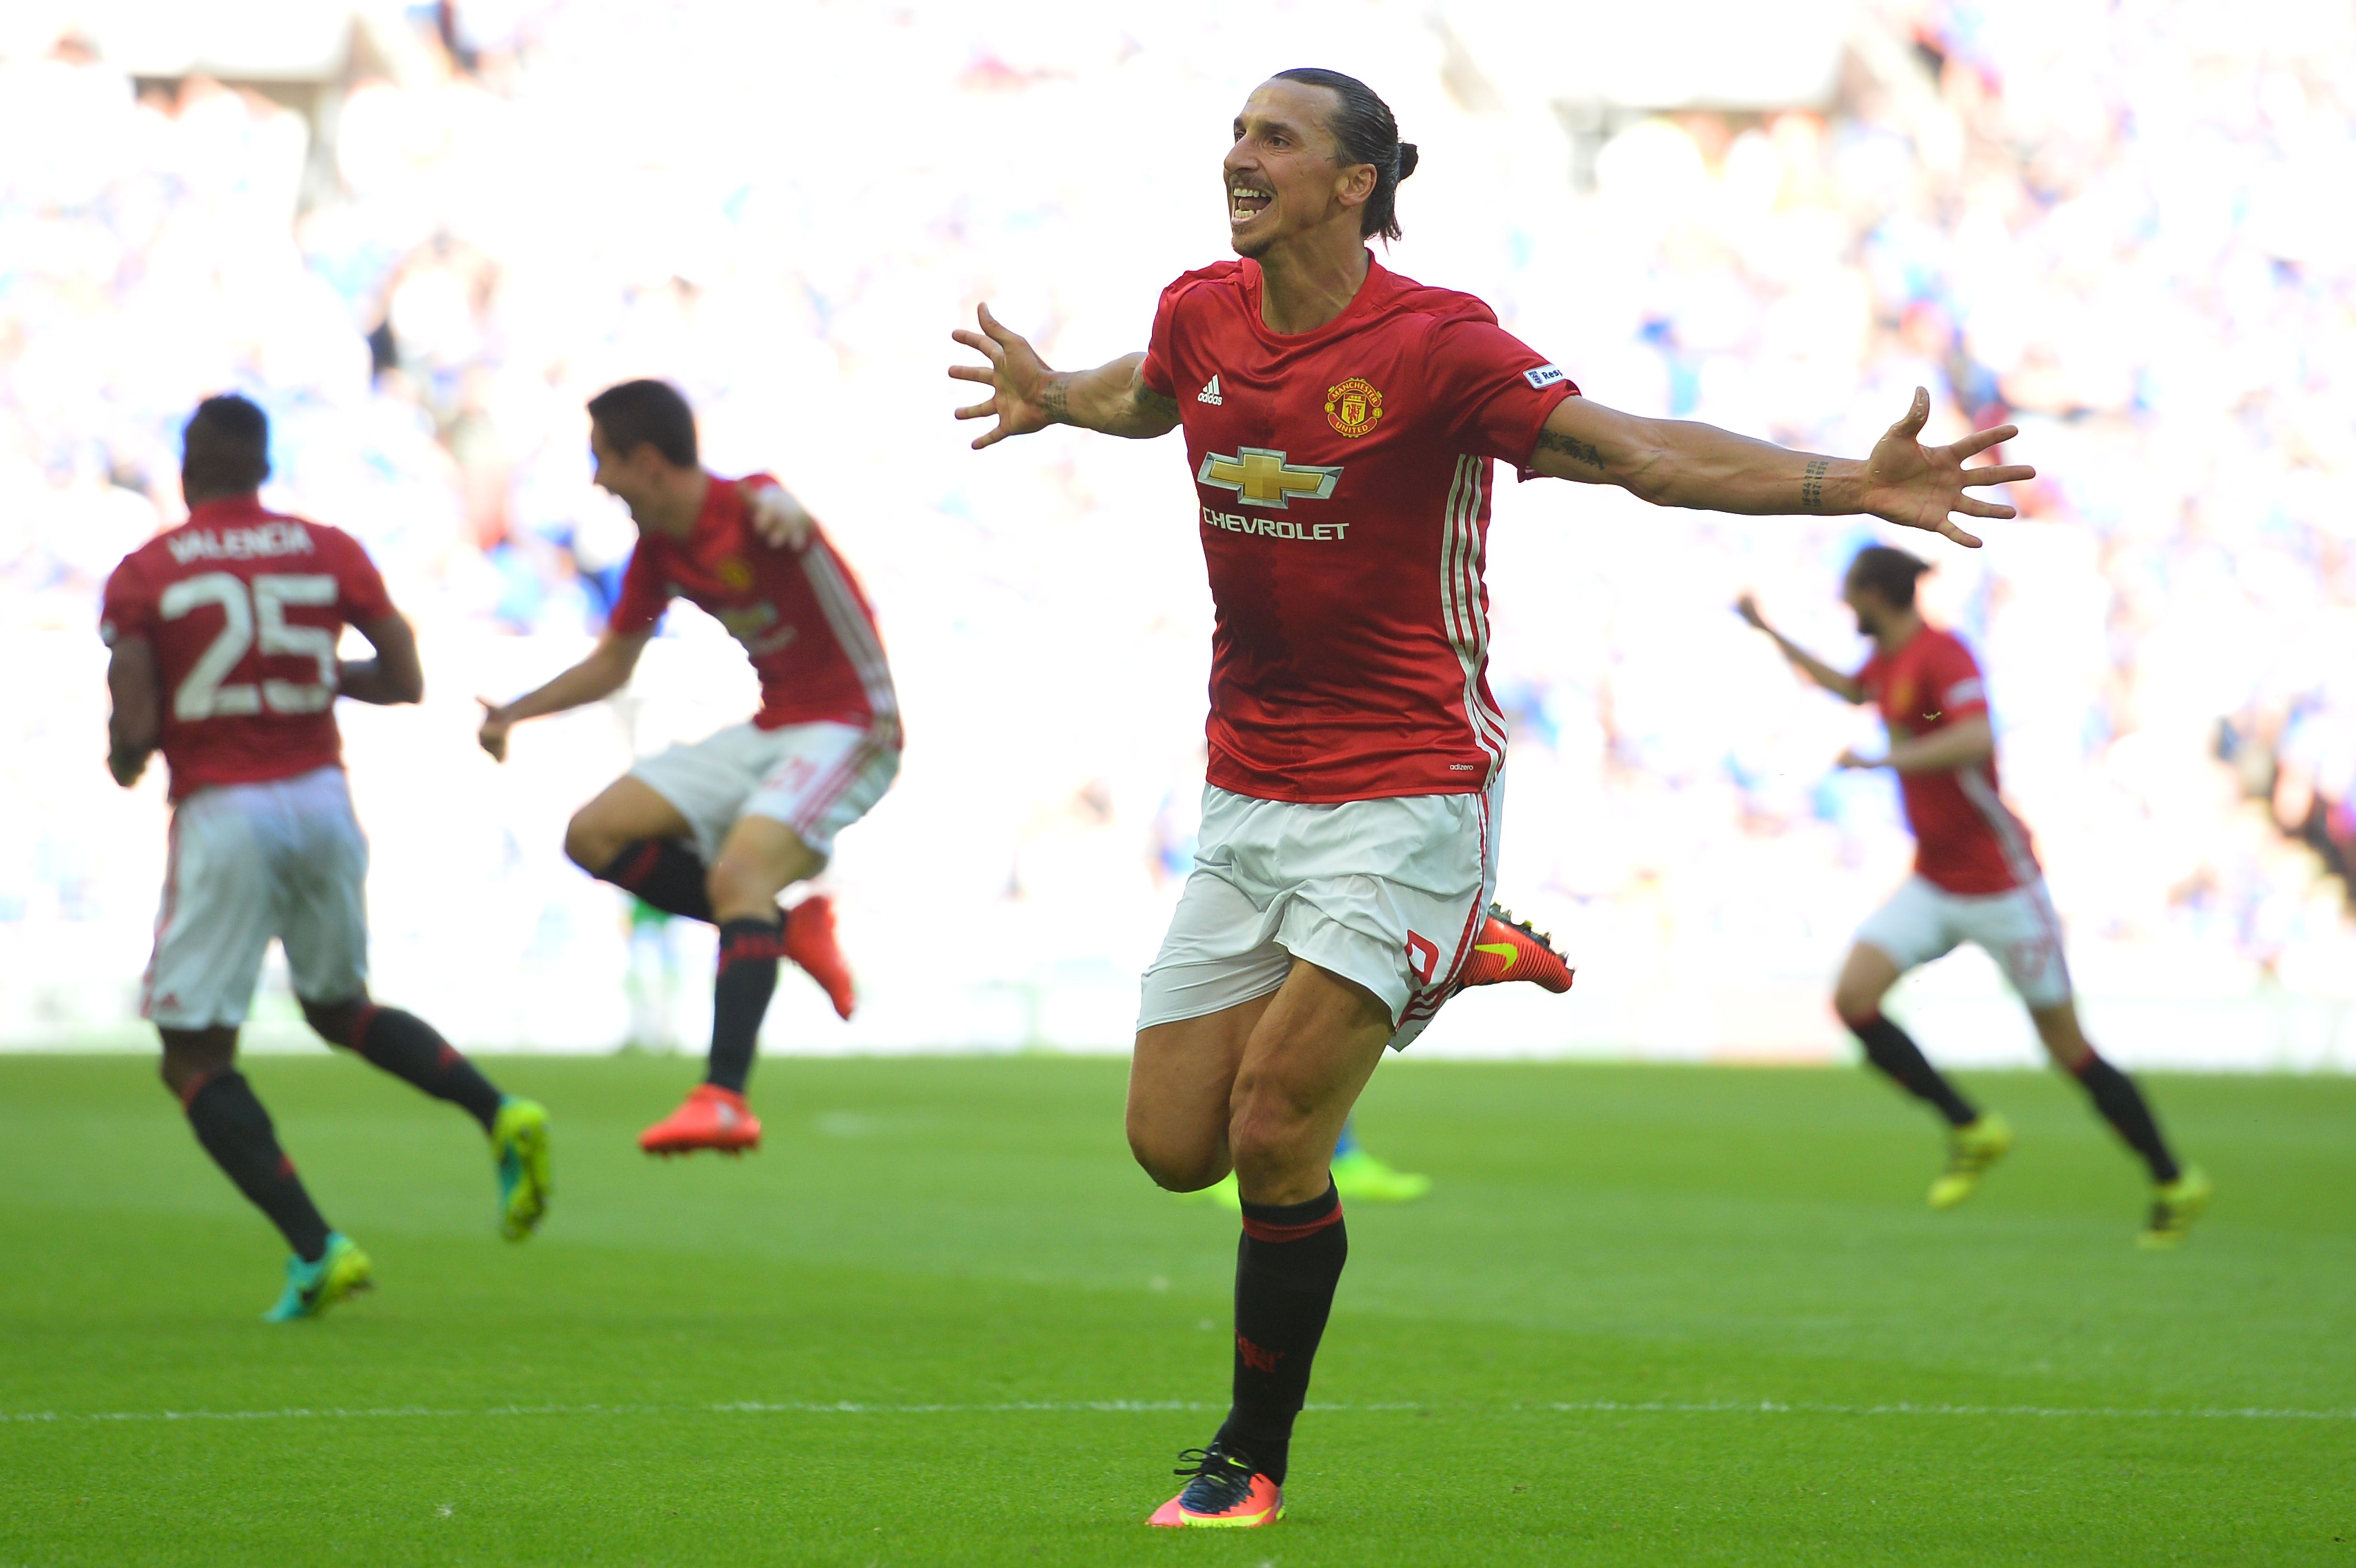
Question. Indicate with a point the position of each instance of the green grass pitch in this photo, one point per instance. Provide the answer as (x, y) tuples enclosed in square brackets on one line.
[(1648, 1315)]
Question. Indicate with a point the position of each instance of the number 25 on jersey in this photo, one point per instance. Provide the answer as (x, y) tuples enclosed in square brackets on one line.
[(257, 620)]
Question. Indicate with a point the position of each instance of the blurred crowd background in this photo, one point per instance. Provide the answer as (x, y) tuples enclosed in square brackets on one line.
[(423, 235)]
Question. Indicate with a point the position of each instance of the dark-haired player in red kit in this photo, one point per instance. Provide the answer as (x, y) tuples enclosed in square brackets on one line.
[(1975, 879), (224, 633), (717, 830), (1342, 426)]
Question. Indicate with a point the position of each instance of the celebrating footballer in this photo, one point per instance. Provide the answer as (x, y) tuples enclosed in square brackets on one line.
[(1342, 424)]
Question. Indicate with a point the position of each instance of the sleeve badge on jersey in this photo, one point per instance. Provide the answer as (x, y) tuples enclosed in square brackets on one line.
[(1353, 407), (1544, 375)]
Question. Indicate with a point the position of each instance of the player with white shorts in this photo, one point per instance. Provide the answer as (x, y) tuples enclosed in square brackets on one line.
[(224, 632), (1343, 425), (717, 830), (1975, 879)]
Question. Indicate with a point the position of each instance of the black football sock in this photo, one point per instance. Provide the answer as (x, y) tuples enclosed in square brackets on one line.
[(749, 951), (664, 872), (1893, 1051), (411, 1050), (236, 1131), (2123, 1105), (1287, 1265)]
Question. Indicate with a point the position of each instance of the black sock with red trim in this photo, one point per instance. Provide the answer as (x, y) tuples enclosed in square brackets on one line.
[(2123, 1105), (749, 951), (1893, 1051), (413, 1052), (230, 1124), (1287, 1267), (664, 873)]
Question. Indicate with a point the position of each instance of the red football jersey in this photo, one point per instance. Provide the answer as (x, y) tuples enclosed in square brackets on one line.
[(1967, 840), (1343, 479), (243, 608), (801, 616)]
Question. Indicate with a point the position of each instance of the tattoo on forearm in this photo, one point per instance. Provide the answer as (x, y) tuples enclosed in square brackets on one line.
[(1576, 451), (1154, 403), (1811, 484), (1057, 398)]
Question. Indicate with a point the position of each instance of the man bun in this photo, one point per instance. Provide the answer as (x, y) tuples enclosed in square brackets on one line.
[(1406, 159)]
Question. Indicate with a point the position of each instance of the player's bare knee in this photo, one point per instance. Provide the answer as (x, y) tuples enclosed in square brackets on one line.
[(588, 846), (1175, 1163)]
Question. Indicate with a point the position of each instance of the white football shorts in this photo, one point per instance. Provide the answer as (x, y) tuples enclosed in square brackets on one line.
[(249, 862), (1388, 893), (2018, 929), (817, 779)]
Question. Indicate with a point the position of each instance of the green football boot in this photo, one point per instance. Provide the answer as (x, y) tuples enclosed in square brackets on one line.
[(519, 1144), (2174, 1206), (311, 1288), (1971, 1150), (1364, 1178)]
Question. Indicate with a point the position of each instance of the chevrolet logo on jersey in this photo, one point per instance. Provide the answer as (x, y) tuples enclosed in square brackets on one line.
[(1263, 478)]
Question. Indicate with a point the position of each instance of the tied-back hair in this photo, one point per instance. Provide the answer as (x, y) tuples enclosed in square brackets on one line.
[(225, 447), (1889, 572), (1364, 133), (646, 413)]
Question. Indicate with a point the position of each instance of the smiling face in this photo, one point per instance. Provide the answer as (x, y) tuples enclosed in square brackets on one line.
[(1282, 177), (634, 480)]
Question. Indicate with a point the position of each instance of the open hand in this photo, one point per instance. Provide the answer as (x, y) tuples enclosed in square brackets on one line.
[(493, 735), (1021, 385), (778, 517), (1917, 487)]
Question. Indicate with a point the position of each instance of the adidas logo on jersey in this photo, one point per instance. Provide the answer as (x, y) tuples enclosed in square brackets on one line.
[(1210, 393)]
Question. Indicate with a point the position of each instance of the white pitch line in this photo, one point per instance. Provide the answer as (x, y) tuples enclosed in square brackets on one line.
[(1129, 1406)]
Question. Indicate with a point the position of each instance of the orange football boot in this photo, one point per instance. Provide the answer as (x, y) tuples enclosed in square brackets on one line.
[(1512, 949), (710, 1117), (1224, 1493), (809, 942)]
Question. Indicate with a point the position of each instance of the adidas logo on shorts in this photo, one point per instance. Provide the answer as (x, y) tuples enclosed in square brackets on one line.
[(1210, 393)]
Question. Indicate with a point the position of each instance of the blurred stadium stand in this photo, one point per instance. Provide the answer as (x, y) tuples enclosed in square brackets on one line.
[(422, 237)]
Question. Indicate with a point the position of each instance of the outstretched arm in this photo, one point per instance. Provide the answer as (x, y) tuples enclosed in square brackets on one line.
[(1025, 395), (394, 675), (136, 722), (605, 671), (1838, 682), (1676, 463)]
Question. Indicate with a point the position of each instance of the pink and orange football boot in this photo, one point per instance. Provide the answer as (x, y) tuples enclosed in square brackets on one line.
[(1224, 1493), (710, 1117), (1512, 949), (809, 942)]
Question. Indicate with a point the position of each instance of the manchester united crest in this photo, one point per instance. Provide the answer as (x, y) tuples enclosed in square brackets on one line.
[(736, 573), (1354, 407)]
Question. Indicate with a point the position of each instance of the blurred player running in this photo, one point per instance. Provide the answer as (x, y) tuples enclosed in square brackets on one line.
[(717, 830), (1975, 879), (224, 634), (1341, 423)]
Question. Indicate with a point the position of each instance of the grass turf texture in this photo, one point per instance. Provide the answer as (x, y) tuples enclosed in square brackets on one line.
[(1561, 1355)]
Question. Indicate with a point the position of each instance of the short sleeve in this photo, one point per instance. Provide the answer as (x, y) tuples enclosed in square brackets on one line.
[(360, 595), (127, 609), (1156, 372), (1954, 679), (1498, 389), (640, 605)]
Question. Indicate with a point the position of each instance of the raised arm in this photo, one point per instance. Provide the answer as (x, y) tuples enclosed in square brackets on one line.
[(1025, 395), (1676, 463), (605, 671), (136, 721), (1838, 682), (394, 675)]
